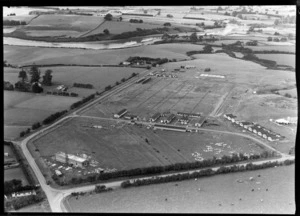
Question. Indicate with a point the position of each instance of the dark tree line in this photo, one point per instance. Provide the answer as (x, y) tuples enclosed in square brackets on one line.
[(84, 100), (15, 185), (202, 173), (172, 167), (13, 22), (53, 117), (81, 85), (136, 21)]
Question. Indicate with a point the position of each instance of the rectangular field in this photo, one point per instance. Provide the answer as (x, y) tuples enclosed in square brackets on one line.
[(91, 57), (281, 59), (124, 147), (99, 77), (277, 186)]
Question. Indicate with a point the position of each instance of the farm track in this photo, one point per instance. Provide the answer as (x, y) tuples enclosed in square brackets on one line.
[(168, 97), (32, 19), (154, 94), (143, 90), (181, 97), (92, 29), (201, 100), (220, 104)]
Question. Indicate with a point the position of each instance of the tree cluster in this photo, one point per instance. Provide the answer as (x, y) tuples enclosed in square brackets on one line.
[(23, 133), (15, 185), (108, 17), (53, 117), (167, 24), (24, 201), (36, 126), (102, 188), (13, 22), (136, 21), (83, 101), (81, 85), (8, 86)]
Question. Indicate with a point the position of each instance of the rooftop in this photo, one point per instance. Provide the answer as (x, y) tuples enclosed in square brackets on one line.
[(170, 126), (122, 111)]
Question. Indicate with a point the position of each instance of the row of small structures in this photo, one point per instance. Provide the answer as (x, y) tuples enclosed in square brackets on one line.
[(166, 118), (254, 128)]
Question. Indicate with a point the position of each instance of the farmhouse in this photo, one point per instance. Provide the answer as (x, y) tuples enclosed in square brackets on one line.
[(169, 127), (200, 122), (189, 114), (121, 113), (155, 117), (126, 63), (71, 159)]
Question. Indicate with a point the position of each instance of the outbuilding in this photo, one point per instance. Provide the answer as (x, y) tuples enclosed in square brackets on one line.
[(121, 113)]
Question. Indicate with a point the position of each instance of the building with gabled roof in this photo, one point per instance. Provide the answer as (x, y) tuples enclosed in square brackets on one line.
[(120, 113)]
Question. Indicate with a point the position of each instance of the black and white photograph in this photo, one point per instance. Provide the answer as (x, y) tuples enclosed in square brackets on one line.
[(150, 109)]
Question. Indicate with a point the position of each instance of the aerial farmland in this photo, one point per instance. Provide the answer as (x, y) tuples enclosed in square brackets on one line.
[(104, 99)]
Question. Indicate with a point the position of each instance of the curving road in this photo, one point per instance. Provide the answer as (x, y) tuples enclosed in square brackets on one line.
[(56, 196)]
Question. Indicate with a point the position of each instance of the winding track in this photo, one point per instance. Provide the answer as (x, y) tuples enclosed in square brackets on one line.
[(56, 196)]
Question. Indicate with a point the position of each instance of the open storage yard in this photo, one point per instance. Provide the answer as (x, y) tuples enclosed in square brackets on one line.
[(273, 194), (120, 146)]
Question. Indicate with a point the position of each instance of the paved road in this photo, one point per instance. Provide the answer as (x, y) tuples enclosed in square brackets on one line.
[(55, 196)]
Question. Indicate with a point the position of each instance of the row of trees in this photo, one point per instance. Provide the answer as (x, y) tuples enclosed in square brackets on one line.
[(102, 188), (83, 101), (206, 49), (53, 117), (172, 167), (71, 94), (8, 86), (141, 32), (136, 21), (284, 39), (81, 85), (13, 22), (202, 173)]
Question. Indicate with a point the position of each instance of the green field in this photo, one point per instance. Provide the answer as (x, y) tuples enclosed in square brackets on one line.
[(22, 109), (123, 147), (216, 196), (281, 59), (53, 24), (29, 55), (99, 77), (116, 27)]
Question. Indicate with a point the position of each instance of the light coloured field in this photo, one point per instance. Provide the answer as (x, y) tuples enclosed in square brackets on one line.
[(56, 33), (25, 18), (64, 22), (124, 147), (292, 92), (273, 47), (216, 196), (30, 55), (281, 59), (115, 27), (99, 77), (11, 132)]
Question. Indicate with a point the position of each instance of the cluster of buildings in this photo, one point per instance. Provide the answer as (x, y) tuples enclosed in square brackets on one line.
[(71, 159), (254, 128)]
